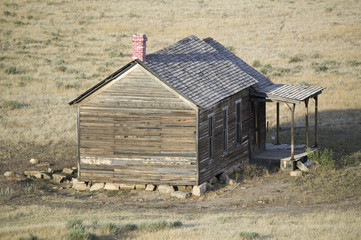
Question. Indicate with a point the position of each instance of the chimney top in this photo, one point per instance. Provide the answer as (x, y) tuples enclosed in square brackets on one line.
[(139, 46)]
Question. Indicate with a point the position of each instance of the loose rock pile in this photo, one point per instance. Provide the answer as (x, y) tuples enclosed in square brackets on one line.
[(68, 175)]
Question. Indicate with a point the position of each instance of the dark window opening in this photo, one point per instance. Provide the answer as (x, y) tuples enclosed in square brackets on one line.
[(211, 137), (225, 130), (239, 122)]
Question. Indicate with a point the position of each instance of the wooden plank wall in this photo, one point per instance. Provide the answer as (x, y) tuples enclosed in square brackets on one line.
[(137, 131), (237, 153)]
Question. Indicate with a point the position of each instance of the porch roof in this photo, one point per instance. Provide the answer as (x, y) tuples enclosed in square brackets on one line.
[(288, 93)]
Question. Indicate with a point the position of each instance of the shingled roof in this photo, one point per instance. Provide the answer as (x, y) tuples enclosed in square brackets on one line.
[(205, 72), (202, 70)]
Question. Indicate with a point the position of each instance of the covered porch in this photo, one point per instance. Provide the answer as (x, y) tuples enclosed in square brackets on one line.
[(286, 155)]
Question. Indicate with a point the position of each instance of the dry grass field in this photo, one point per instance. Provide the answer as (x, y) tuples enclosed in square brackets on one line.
[(51, 51)]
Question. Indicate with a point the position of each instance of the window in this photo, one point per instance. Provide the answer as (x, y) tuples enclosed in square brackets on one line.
[(239, 121), (225, 129), (211, 136)]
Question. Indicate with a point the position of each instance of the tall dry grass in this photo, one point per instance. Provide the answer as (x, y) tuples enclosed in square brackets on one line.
[(61, 48)]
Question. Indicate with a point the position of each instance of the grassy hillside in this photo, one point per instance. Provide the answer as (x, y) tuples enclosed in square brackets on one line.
[(51, 51)]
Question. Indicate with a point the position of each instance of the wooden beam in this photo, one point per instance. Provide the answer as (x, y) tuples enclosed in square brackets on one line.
[(293, 132), (278, 124), (316, 120), (306, 119)]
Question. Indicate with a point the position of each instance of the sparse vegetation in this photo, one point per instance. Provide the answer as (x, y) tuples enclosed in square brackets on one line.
[(323, 157), (256, 63), (5, 192), (249, 235), (159, 225), (31, 237), (11, 105), (295, 59), (11, 70)]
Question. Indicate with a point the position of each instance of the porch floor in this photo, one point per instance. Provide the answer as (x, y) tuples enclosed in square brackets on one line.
[(272, 156)]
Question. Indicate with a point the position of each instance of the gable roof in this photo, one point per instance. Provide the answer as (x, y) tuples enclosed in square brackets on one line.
[(203, 71), (200, 71)]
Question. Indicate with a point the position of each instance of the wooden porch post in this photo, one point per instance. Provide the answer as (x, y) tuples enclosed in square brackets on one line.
[(316, 121), (306, 118), (293, 132), (278, 124)]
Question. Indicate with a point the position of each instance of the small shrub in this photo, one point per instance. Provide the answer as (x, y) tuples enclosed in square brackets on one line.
[(266, 68), (28, 40), (296, 69), (324, 158), (231, 48), (175, 224), (351, 160), (31, 237), (78, 234), (61, 68), (11, 70), (304, 83), (110, 228), (353, 63), (75, 223), (29, 189), (75, 85), (316, 55), (22, 84), (160, 225), (256, 63), (6, 192), (60, 61), (133, 15), (11, 105), (295, 59), (102, 69), (249, 235), (19, 23), (9, 14), (329, 9), (129, 227), (222, 220), (72, 70), (319, 67)]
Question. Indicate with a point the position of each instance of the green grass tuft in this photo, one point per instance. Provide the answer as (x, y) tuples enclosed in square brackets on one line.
[(159, 225), (31, 237), (249, 235), (11, 105), (12, 70)]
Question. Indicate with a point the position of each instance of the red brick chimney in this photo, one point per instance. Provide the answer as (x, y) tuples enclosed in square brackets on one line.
[(139, 46)]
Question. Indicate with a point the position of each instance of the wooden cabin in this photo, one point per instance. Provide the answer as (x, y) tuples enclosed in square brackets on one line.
[(178, 116)]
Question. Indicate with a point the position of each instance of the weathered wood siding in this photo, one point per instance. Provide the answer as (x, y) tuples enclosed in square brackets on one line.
[(137, 130), (237, 153)]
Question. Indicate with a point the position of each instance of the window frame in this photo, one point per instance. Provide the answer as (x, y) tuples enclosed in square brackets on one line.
[(211, 122), (238, 112), (225, 133)]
